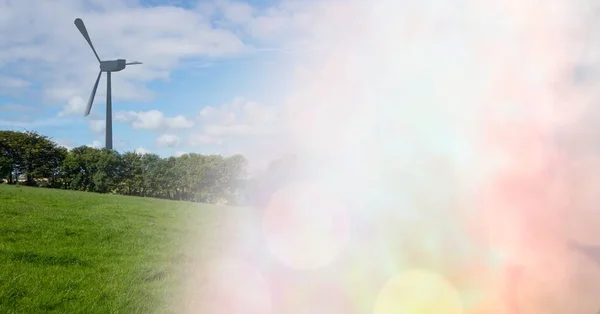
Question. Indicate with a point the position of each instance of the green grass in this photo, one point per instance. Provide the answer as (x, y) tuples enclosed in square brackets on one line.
[(75, 252)]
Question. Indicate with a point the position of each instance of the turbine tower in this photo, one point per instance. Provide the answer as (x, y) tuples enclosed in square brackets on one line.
[(107, 66)]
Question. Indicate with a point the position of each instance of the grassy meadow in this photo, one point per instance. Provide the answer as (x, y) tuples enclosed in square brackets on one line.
[(75, 252)]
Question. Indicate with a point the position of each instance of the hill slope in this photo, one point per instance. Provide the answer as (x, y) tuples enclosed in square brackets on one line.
[(75, 252)]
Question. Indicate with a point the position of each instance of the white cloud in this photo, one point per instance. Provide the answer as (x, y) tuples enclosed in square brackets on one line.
[(50, 51), (178, 122), (239, 118), (97, 126), (46, 50), (95, 144), (75, 106), (179, 153), (153, 120), (168, 140), (236, 12), (284, 22), (142, 151)]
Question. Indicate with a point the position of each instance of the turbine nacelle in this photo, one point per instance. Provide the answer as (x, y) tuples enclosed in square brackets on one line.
[(115, 65), (112, 65)]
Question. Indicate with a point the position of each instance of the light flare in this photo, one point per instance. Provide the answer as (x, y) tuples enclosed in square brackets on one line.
[(418, 292), (306, 226), (440, 122), (229, 285)]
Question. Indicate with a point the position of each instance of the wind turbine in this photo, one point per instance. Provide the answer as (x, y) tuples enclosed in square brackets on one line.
[(107, 66)]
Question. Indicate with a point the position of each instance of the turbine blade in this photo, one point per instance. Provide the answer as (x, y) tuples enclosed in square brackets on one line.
[(92, 95), (83, 31), (133, 63)]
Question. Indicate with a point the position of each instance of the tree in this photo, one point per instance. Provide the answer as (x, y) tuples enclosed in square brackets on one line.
[(31, 154), (232, 176), (191, 177), (6, 157), (12, 155), (279, 172), (150, 171), (131, 174), (52, 169), (107, 169), (78, 168)]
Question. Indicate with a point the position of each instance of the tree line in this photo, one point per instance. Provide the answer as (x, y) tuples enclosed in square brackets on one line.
[(29, 158)]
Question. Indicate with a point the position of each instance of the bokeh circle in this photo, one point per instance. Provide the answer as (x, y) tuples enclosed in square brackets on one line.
[(418, 291), (305, 225), (231, 286)]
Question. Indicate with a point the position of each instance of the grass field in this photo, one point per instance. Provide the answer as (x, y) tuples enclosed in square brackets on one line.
[(75, 252)]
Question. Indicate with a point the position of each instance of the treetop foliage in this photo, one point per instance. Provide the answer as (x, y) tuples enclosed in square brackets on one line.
[(33, 159)]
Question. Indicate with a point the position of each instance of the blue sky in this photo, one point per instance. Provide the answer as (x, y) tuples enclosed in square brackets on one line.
[(235, 58)]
